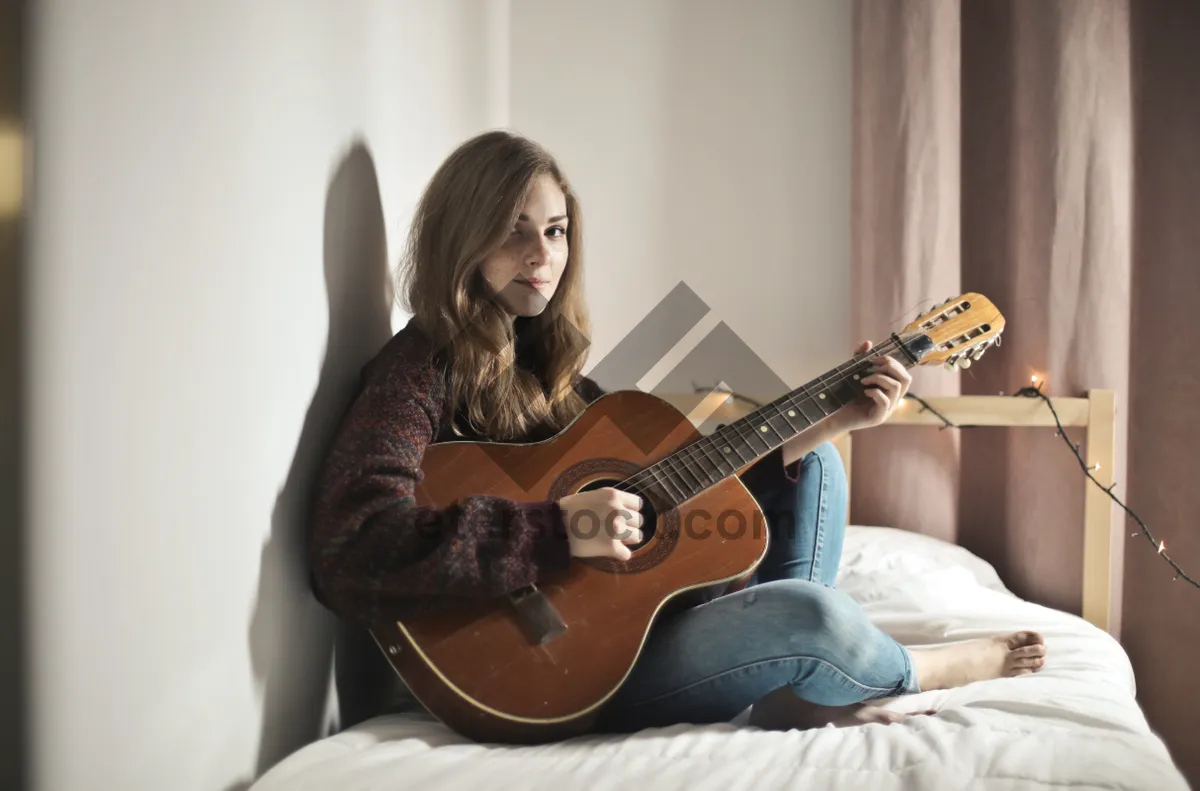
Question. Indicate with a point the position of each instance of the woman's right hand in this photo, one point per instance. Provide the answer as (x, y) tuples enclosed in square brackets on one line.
[(601, 522)]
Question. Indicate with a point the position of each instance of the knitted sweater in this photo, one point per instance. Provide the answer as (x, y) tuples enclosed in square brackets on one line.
[(377, 556)]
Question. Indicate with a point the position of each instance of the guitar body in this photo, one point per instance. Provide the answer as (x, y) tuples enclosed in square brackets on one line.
[(476, 669)]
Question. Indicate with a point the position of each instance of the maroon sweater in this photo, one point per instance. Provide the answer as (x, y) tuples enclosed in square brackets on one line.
[(375, 555)]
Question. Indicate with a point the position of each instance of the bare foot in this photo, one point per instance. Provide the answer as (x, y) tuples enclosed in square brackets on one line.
[(781, 710), (1016, 654)]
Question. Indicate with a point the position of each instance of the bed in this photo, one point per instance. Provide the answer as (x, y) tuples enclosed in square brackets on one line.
[(1076, 724)]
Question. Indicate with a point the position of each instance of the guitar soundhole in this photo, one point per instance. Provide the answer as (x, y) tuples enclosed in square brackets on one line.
[(649, 515), (660, 531)]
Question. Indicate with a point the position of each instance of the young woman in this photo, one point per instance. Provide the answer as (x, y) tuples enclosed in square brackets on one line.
[(493, 278)]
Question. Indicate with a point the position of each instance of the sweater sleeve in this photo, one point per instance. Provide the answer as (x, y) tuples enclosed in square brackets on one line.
[(588, 389), (375, 554)]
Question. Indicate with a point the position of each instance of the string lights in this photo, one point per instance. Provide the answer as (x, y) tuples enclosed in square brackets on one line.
[(1034, 390)]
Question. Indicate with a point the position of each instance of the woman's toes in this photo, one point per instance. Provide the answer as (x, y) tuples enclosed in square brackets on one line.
[(1028, 657), (1026, 638)]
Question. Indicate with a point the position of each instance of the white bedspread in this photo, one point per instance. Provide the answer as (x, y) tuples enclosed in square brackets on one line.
[(1073, 725)]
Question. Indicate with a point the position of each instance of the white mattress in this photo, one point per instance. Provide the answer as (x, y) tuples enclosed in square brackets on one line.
[(1075, 724)]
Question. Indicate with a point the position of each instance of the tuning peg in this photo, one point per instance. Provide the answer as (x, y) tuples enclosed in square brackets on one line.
[(965, 364), (983, 347)]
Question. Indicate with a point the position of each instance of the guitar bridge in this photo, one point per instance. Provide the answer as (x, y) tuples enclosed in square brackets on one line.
[(539, 621)]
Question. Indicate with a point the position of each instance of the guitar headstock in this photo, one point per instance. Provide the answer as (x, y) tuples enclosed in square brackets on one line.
[(960, 330)]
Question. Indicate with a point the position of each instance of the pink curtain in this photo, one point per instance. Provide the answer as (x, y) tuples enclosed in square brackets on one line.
[(905, 241), (994, 150), (1047, 179), (1162, 618)]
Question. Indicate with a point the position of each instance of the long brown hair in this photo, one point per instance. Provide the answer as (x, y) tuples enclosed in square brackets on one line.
[(465, 215)]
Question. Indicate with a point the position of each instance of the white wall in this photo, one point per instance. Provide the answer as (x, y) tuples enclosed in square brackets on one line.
[(710, 142), (193, 194)]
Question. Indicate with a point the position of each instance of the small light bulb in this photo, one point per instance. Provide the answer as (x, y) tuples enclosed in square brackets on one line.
[(1096, 466), (1162, 545), (1033, 379)]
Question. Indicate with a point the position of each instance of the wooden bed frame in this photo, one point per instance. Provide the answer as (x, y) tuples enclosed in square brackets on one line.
[(1096, 413)]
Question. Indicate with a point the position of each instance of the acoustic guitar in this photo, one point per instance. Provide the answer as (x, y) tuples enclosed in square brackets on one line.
[(539, 664)]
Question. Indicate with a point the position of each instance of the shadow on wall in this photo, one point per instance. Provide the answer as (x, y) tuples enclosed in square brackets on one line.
[(291, 634)]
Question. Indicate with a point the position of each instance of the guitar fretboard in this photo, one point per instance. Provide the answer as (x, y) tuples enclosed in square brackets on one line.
[(709, 460)]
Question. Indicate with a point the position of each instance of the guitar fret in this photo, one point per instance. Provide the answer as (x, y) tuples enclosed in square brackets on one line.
[(736, 439), (666, 478), (732, 443), (829, 403), (712, 458), (696, 464), (831, 395), (851, 388), (820, 404), (730, 457), (771, 426), (778, 421), (655, 483), (686, 483), (696, 460), (787, 412), (750, 447), (681, 467), (757, 433), (719, 461), (808, 408), (693, 485), (794, 412)]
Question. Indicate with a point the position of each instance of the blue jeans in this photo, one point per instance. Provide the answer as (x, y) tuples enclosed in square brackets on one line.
[(789, 627)]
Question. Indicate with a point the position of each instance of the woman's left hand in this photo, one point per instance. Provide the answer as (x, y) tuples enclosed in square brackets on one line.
[(885, 389)]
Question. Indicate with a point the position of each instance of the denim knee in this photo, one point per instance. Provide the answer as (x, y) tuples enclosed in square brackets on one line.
[(831, 461), (820, 621)]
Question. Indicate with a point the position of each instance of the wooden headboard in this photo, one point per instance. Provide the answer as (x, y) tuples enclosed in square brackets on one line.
[(1096, 414)]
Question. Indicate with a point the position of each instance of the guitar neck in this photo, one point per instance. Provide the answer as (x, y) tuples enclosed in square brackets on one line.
[(709, 460)]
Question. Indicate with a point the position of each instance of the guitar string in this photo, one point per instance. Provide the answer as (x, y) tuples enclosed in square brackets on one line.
[(705, 448), (696, 451)]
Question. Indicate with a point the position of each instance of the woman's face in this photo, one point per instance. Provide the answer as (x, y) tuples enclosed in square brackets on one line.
[(524, 273)]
